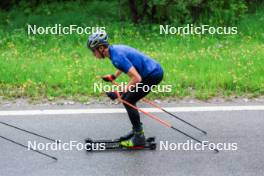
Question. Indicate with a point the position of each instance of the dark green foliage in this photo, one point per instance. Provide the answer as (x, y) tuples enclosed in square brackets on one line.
[(185, 11), (8, 4), (215, 12)]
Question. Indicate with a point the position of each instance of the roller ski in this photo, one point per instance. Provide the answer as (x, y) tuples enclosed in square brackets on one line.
[(118, 144)]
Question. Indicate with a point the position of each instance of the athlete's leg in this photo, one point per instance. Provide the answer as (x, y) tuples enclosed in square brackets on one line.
[(134, 97), (136, 137)]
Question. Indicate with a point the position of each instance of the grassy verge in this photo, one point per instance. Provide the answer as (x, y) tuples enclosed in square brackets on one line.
[(60, 66)]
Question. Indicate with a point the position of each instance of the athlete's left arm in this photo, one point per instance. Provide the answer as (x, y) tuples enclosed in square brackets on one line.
[(118, 73), (134, 78)]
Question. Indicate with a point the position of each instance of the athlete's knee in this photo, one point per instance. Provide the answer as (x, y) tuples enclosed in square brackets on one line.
[(127, 98)]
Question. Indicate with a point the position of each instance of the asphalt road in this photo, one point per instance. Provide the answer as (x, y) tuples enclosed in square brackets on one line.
[(242, 127)]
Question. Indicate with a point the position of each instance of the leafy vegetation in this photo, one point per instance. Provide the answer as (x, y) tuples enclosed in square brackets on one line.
[(50, 66)]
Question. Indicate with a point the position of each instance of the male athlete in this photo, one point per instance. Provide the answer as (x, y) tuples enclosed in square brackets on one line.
[(140, 69)]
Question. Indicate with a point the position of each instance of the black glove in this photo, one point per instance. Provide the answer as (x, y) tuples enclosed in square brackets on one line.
[(109, 78), (113, 95)]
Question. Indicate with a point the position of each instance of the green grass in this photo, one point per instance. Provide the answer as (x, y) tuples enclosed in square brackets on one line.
[(60, 66)]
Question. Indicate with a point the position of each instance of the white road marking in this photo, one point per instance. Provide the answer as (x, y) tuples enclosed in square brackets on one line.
[(122, 110)]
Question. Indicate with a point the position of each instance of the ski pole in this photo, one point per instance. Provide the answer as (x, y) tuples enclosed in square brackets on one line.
[(24, 146), (163, 122), (164, 110), (30, 132)]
